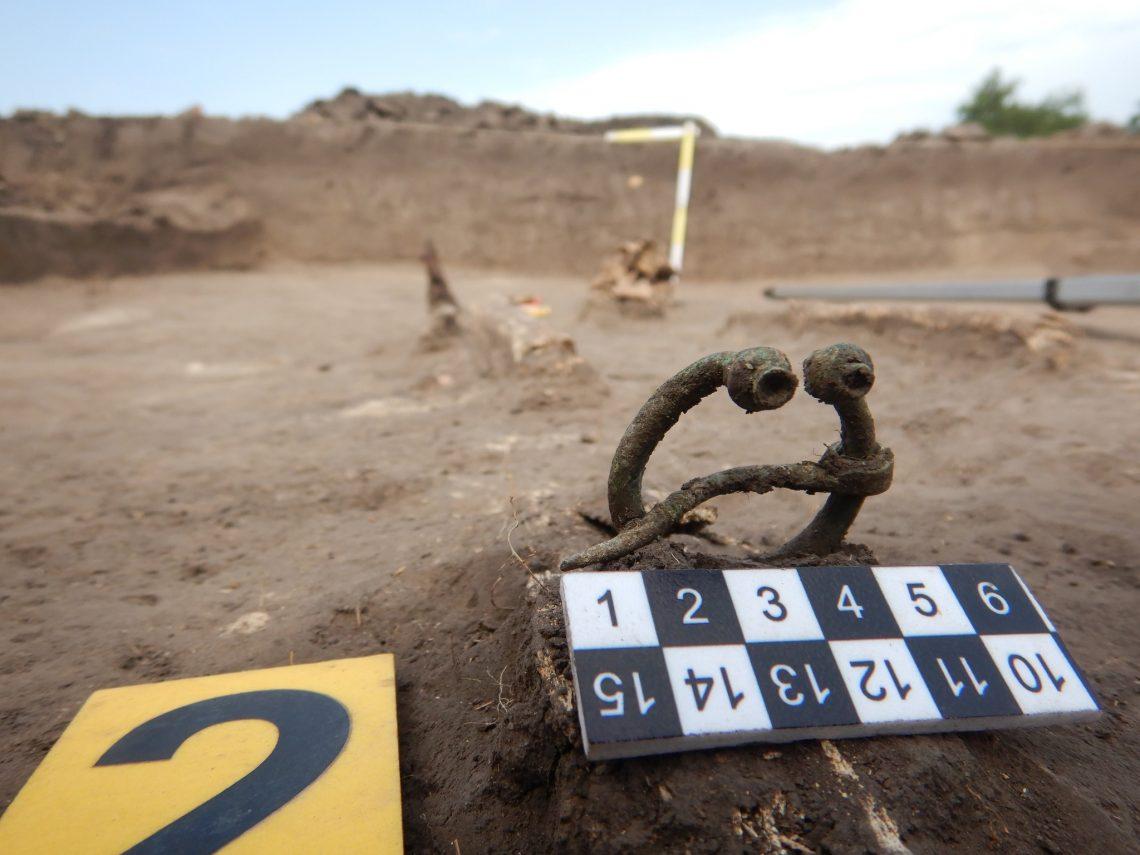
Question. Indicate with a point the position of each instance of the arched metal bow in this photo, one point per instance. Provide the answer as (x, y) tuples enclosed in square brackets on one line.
[(760, 378)]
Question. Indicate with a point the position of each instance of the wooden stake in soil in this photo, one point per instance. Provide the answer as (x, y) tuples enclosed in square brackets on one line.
[(442, 305)]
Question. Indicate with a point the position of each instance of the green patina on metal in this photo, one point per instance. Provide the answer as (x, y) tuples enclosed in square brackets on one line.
[(760, 378)]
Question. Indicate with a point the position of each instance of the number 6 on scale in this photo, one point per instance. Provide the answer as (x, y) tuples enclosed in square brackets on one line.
[(994, 601)]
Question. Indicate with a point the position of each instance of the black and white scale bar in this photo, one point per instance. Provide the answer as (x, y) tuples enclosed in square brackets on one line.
[(673, 660)]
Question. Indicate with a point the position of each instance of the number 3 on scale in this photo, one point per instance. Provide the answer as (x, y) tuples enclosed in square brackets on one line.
[(772, 600)]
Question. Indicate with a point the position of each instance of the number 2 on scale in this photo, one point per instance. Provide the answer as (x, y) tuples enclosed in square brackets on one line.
[(691, 615)]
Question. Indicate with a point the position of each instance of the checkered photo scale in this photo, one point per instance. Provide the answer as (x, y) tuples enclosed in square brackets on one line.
[(672, 660)]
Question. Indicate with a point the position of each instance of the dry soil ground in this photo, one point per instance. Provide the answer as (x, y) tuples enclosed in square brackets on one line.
[(211, 472)]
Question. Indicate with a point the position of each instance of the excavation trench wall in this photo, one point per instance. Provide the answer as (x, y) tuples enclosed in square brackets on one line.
[(94, 196)]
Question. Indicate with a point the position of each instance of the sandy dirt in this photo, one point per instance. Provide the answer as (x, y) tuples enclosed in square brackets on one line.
[(212, 472)]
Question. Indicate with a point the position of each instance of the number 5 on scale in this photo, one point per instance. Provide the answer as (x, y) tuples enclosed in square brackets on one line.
[(923, 603)]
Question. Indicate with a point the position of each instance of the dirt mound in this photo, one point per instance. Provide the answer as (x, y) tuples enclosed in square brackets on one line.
[(348, 181), (933, 792), (352, 105), (1043, 337), (503, 700), (972, 133)]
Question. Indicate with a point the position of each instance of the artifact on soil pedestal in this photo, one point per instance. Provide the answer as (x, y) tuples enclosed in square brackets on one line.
[(760, 378), (637, 278), (502, 336)]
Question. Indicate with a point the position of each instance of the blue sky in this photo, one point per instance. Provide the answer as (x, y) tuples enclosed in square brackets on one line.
[(829, 73)]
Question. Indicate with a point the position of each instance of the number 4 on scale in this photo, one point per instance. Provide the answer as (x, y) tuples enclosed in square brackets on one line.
[(846, 603)]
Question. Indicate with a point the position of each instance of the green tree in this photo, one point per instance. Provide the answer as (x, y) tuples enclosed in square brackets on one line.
[(994, 106), (1134, 123)]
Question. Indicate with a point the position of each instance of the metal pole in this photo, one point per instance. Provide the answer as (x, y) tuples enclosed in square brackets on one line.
[(1069, 293)]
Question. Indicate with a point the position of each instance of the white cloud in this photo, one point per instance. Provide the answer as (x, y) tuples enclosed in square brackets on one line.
[(865, 69)]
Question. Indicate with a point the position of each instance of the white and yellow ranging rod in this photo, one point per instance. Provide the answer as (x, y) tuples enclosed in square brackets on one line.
[(687, 134)]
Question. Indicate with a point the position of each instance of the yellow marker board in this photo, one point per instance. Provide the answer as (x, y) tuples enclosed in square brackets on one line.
[(295, 759)]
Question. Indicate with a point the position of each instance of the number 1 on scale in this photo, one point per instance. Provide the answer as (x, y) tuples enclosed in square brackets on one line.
[(608, 599)]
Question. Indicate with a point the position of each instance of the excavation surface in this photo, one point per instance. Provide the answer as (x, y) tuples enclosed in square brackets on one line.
[(207, 473)]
